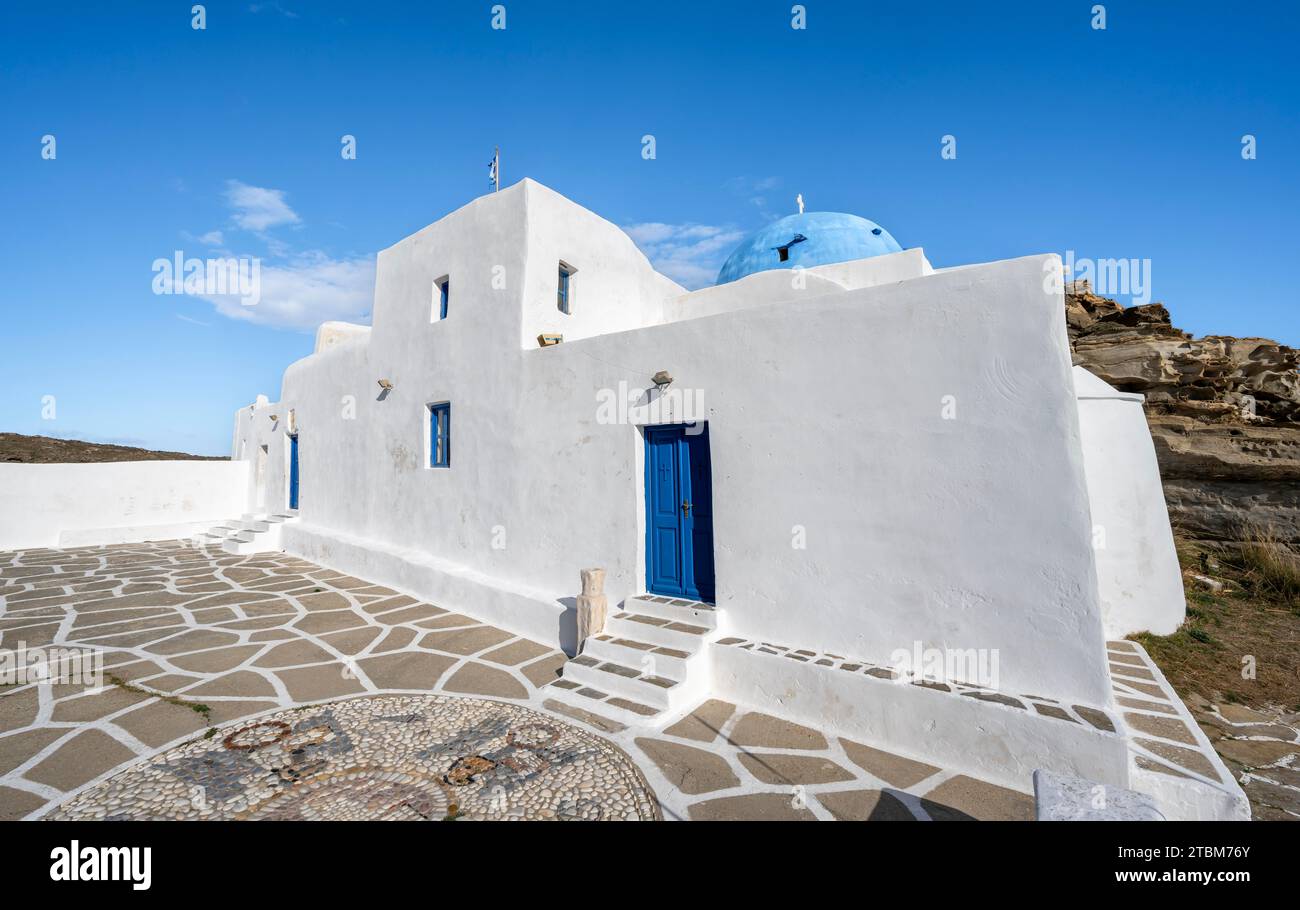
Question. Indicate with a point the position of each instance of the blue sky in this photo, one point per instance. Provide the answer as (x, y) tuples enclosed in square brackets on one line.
[(1115, 143)]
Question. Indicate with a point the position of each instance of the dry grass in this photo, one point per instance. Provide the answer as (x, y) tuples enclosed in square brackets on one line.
[(1253, 621), (1270, 567)]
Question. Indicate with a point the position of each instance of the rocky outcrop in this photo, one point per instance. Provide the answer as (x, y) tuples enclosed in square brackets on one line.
[(1219, 478), (1224, 413)]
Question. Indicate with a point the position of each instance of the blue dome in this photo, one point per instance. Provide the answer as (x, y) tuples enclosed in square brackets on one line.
[(810, 239)]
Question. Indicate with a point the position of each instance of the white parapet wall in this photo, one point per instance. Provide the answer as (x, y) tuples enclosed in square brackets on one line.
[(973, 735), (1138, 577), (64, 505)]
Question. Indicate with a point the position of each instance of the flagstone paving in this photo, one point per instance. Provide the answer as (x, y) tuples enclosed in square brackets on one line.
[(722, 762), (202, 648)]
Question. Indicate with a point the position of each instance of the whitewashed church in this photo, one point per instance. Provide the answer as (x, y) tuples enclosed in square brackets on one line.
[(800, 482)]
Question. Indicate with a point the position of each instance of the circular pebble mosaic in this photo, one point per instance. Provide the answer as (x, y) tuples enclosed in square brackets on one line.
[(388, 757)]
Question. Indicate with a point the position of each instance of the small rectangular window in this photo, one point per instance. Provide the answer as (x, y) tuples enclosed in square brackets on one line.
[(441, 291), (440, 435), (564, 291)]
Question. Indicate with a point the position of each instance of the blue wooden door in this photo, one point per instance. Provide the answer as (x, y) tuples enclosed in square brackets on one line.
[(663, 513), (679, 512), (699, 518), (293, 471)]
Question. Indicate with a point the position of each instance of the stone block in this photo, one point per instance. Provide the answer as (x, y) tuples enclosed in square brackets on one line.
[(593, 605), (1061, 798)]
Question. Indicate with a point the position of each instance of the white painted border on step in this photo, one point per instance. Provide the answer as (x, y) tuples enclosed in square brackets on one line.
[(1192, 797), (994, 742)]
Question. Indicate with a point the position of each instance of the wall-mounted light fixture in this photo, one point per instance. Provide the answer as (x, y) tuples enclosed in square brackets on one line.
[(274, 418), (662, 379), (385, 385)]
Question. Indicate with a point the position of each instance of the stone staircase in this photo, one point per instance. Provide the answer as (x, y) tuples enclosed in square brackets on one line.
[(646, 666), (251, 533)]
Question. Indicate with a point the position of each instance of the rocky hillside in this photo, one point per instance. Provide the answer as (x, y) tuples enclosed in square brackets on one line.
[(15, 447), (1224, 413)]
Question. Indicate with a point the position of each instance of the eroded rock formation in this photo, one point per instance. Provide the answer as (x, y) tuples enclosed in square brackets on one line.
[(1224, 412)]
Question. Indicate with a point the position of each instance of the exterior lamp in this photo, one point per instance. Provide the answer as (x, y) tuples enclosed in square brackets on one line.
[(662, 379), (385, 385)]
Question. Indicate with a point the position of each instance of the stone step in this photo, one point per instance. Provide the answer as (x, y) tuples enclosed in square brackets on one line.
[(247, 542), (263, 540), (243, 547), (674, 609), (254, 524), (620, 680), (218, 534), (657, 630), (625, 712), (651, 658)]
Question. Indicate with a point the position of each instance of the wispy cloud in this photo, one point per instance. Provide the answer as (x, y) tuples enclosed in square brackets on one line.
[(310, 288), (297, 289), (690, 254), (213, 240), (756, 191), (257, 208), (753, 184), (273, 7)]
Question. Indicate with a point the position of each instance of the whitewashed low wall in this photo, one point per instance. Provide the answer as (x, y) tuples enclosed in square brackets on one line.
[(1138, 577), (53, 505), (994, 742)]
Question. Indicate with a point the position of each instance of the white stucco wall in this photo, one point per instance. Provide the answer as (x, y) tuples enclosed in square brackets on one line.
[(615, 286), (825, 414), (964, 533), (878, 270), (1138, 576), (263, 443), (50, 505), (781, 285), (334, 332), (758, 289)]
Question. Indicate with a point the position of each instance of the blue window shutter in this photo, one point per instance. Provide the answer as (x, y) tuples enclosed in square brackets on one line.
[(446, 435), (562, 295), (440, 435), (443, 290)]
